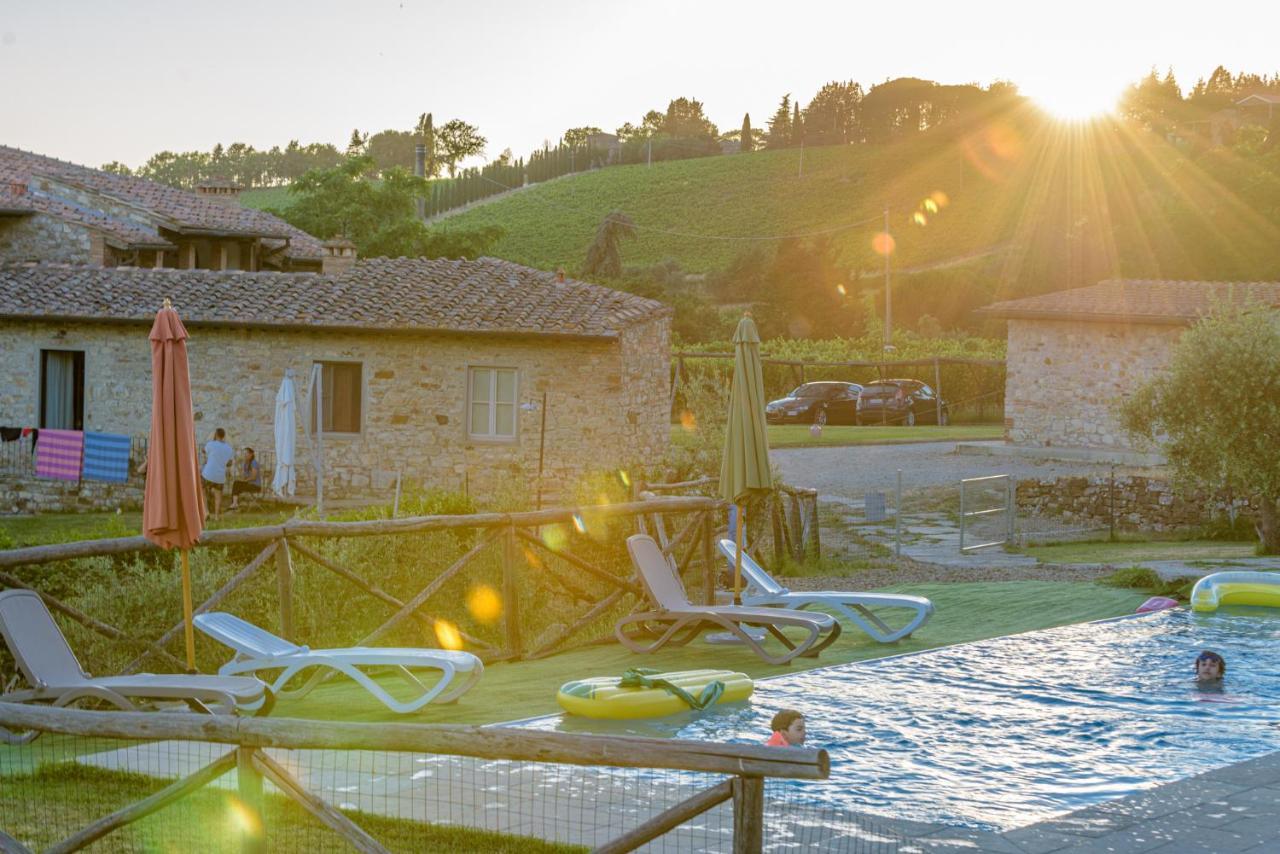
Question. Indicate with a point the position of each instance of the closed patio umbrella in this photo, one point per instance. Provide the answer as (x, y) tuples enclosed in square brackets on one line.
[(744, 471), (173, 502), (286, 428)]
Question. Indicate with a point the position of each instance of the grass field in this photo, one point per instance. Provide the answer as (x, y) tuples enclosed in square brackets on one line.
[(798, 436), (20, 531), (1127, 553)]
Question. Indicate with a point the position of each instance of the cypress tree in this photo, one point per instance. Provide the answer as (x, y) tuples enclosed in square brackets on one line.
[(748, 140), (797, 126)]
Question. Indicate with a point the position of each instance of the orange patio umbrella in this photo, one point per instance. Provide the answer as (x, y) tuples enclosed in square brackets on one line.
[(173, 503)]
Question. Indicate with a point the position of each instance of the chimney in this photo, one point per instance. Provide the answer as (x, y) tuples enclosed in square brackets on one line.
[(420, 169), (339, 256), (224, 191)]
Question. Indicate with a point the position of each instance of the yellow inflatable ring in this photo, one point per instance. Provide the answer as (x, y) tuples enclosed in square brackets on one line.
[(1236, 588), (600, 696)]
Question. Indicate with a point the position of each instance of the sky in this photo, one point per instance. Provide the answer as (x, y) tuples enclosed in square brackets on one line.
[(93, 82)]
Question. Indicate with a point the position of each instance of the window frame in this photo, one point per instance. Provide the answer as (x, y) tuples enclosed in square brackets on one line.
[(317, 419), (78, 371), (492, 402)]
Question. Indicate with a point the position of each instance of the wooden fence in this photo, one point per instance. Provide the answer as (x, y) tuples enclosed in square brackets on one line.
[(745, 766), (512, 533)]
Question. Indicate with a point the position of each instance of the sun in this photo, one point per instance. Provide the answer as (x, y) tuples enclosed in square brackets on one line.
[(1074, 101)]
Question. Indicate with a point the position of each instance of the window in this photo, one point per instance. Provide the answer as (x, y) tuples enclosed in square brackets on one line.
[(339, 393), (62, 389), (493, 403)]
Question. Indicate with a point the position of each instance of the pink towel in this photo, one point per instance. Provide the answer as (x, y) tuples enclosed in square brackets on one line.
[(58, 454)]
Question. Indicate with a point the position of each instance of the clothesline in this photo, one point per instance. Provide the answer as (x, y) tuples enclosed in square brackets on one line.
[(76, 454)]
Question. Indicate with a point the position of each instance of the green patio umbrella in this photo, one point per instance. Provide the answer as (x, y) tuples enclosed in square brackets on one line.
[(744, 471)]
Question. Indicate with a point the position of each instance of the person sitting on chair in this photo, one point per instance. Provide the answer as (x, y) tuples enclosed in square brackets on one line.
[(248, 478)]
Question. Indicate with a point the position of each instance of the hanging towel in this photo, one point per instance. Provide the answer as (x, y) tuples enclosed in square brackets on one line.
[(10, 434), (106, 457), (58, 454)]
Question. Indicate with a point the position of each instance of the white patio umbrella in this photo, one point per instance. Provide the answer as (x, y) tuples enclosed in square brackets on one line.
[(286, 478)]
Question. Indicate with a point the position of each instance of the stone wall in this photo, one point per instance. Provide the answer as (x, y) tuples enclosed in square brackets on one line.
[(607, 404), (1141, 503), (1066, 377), (43, 238)]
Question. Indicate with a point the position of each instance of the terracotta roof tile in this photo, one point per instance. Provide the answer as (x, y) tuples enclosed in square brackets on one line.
[(185, 209), (403, 294), (1137, 301)]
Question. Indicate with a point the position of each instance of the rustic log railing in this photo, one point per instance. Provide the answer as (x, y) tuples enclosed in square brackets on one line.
[(284, 545), (744, 766)]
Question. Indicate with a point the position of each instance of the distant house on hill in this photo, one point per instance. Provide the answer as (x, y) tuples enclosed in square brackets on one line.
[(1259, 109), (51, 210), (437, 369), (1073, 354)]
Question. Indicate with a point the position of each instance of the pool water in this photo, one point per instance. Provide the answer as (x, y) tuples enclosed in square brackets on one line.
[(1001, 733)]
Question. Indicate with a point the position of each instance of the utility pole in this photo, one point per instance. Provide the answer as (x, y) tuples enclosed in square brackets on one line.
[(888, 295), (649, 155)]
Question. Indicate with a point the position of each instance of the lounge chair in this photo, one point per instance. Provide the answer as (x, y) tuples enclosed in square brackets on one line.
[(257, 650), (677, 621), (51, 668), (763, 591)]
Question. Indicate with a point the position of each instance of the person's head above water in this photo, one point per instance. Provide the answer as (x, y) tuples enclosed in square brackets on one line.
[(1210, 666), (790, 723)]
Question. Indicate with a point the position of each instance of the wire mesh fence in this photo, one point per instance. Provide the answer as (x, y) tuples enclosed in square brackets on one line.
[(181, 795)]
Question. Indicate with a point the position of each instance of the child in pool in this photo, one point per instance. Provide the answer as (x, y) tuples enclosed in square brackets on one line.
[(788, 729), (1210, 667)]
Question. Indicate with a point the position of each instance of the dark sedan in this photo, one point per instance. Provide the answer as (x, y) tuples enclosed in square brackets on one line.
[(816, 403), (900, 402)]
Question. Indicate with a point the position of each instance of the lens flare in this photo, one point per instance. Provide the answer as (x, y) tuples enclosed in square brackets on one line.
[(447, 635), (883, 243), (688, 421), (930, 205), (940, 199), (919, 219), (624, 478), (243, 820), (531, 557), (555, 537), (484, 604), (840, 289), (579, 524)]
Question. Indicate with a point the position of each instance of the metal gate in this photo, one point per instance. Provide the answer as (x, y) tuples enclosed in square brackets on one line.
[(974, 490)]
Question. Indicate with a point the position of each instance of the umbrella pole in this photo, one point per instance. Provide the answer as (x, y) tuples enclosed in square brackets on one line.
[(186, 613), (740, 522)]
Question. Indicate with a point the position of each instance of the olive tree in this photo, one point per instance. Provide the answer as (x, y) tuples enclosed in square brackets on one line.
[(1216, 412)]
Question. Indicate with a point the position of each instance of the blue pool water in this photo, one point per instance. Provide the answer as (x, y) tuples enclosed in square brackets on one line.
[(1002, 733)]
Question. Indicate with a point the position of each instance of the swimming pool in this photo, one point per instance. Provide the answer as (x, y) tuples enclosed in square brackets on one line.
[(1001, 733)]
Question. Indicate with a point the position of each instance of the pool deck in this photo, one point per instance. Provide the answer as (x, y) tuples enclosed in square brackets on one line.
[(1235, 808)]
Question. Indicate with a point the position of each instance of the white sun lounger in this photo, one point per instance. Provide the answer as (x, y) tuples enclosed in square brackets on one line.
[(257, 650), (763, 591), (54, 673)]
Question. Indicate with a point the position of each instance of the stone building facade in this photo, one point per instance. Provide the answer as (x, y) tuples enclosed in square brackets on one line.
[(1073, 356), (600, 357)]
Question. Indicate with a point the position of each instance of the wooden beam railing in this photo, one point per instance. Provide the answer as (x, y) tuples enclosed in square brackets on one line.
[(565, 574), (744, 766)]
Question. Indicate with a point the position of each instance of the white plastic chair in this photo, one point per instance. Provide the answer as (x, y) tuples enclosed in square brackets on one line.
[(257, 649)]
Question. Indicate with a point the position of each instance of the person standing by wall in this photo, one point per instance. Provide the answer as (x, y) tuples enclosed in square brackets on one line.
[(217, 454)]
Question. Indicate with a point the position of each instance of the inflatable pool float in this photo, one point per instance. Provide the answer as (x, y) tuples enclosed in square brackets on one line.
[(1236, 588), (643, 693)]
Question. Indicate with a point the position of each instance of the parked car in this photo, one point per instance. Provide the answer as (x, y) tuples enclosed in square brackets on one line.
[(816, 403), (902, 402)]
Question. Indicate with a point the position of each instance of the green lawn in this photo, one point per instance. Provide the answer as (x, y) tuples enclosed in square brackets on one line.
[(798, 436), (1126, 553), (965, 612)]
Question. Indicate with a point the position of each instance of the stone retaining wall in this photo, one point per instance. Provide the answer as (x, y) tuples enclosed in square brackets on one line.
[(1140, 503), (27, 495)]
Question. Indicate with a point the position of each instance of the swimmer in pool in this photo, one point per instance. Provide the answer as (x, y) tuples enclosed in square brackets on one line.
[(1210, 668), (788, 729)]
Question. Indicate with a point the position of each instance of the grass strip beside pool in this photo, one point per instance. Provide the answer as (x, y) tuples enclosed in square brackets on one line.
[(965, 612), (1126, 554)]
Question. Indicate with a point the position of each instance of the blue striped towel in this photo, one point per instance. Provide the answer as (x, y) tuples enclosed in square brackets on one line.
[(106, 457)]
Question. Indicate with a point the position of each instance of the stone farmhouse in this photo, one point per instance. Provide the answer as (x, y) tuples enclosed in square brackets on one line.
[(1074, 354), (437, 370), (56, 211)]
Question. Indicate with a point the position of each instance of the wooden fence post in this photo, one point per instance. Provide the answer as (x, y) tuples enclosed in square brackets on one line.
[(249, 783), (284, 586), (937, 390), (511, 593), (708, 559), (775, 520), (748, 815)]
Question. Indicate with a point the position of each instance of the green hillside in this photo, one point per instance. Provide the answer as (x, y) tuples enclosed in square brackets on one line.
[(1029, 206)]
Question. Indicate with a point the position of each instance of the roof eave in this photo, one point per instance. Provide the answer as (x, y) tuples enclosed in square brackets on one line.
[(1092, 317)]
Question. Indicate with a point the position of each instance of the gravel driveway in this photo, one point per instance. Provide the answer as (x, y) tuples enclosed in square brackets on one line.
[(849, 472)]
